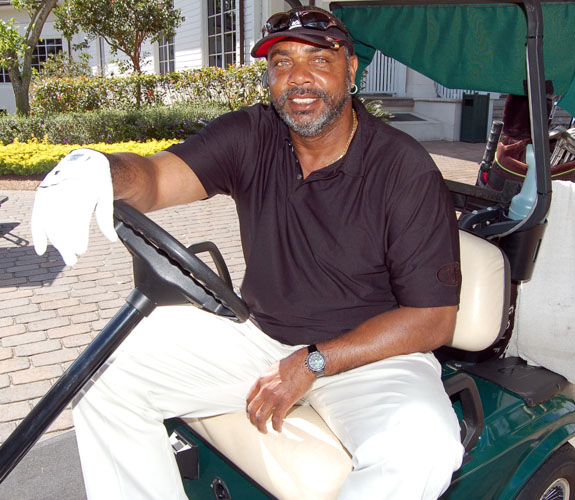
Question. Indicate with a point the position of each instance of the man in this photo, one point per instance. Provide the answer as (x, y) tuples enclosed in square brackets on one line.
[(352, 279)]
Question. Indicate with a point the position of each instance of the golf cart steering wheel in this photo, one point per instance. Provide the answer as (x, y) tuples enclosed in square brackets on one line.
[(168, 273), (165, 273)]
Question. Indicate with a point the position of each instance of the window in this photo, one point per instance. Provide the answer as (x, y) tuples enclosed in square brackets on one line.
[(167, 59), (43, 49), (222, 32), (4, 77)]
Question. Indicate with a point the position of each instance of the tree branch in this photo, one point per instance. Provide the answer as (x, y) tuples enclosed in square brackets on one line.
[(34, 29)]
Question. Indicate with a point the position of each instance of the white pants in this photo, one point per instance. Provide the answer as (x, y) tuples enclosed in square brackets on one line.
[(392, 416)]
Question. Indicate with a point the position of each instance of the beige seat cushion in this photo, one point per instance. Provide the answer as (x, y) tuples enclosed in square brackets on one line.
[(306, 460)]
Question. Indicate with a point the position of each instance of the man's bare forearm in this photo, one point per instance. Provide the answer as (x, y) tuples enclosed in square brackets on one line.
[(401, 331), (154, 182), (134, 180)]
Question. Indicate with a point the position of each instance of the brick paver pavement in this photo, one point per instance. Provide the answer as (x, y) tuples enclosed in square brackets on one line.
[(50, 312)]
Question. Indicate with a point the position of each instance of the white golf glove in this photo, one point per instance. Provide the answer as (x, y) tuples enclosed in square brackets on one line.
[(78, 186)]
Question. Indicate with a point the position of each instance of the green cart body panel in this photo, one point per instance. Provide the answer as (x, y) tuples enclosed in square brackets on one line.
[(514, 443)]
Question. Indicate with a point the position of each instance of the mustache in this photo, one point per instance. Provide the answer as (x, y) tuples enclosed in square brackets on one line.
[(302, 91)]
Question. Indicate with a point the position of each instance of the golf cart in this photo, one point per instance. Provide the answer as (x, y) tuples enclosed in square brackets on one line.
[(517, 420)]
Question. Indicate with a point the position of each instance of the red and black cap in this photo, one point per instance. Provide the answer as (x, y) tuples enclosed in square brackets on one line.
[(309, 24)]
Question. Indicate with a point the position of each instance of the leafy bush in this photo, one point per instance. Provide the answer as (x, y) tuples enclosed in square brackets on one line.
[(175, 122), (55, 95), (39, 157), (62, 65), (234, 87), (87, 93)]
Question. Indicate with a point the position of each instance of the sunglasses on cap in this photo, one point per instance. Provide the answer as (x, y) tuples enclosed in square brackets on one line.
[(300, 19)]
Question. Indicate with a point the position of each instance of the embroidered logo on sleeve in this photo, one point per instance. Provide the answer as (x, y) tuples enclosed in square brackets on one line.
[(449, 274)]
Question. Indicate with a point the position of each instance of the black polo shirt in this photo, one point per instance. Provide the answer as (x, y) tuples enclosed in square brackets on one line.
[(364, 235)]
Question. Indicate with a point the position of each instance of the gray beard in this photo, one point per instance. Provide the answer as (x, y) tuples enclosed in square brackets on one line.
[(334, 108)]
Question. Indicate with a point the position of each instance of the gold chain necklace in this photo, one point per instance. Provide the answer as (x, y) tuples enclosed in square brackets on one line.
[(353, 129)]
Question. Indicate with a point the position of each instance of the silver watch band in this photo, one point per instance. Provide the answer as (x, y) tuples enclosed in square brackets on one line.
[(315, 361)]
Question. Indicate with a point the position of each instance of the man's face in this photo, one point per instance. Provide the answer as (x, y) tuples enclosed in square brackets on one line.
[(309, 85)]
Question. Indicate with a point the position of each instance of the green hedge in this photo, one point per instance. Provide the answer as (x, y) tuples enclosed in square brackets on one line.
[(233, 88), (109, 126)]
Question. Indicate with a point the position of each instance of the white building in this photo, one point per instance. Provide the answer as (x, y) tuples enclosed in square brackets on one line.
[(222, 32)]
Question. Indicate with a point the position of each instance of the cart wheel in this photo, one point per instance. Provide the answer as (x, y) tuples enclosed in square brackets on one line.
[(555, 479)]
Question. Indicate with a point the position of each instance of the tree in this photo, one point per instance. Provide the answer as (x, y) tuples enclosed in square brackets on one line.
[(123, 24), (16, 49)]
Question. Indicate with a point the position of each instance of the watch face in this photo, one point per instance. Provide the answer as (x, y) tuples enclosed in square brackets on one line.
[(316, 362)]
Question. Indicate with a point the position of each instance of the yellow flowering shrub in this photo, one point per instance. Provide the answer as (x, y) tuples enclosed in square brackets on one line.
[(39, 157)]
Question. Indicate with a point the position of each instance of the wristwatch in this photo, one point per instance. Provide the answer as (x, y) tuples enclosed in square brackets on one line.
[(315, 361)]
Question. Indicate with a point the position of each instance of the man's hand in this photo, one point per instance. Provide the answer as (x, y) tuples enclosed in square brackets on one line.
[(78, 186), (281, 386)]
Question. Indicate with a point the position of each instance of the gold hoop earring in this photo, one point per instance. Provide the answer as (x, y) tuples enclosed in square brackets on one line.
[(353, 90)]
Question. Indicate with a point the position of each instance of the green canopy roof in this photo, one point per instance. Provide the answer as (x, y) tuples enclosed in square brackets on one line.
[(479, 46)]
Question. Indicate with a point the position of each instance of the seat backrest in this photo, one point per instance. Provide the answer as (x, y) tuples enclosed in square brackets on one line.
[(485, 289)]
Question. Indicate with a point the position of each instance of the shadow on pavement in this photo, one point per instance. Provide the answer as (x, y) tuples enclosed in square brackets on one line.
[(21, 267), (6, 233)]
